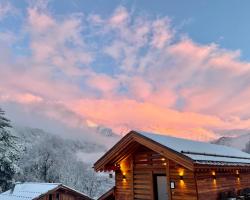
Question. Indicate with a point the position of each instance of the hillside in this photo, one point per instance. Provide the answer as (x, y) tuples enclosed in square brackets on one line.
[(48, 157)]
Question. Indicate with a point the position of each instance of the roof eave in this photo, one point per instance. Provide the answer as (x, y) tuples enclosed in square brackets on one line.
[(149, 143)]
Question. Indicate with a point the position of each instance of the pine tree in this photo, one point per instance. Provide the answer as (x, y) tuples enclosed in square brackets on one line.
[(8, 153)]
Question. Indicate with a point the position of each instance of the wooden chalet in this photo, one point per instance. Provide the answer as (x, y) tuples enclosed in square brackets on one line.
[(42, 191), (157, 167)]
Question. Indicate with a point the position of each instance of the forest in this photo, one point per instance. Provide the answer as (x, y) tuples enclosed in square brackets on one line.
[(36, 156)]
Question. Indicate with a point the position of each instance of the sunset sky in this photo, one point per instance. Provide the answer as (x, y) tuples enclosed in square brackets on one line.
[(175, 67)]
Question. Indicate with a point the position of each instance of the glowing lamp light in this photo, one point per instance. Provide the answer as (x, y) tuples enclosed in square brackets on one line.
[(238, 174), (214, 175), (181, 173), (124, 177)]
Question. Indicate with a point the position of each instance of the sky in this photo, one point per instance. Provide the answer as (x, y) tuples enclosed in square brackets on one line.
[(176, 67)]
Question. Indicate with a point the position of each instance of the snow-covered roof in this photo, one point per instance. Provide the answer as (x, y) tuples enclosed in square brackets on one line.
[(30, 191), (200, 152)]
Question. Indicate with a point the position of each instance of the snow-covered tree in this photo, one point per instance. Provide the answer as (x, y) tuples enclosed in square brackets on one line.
[(94, 185), (52, 159), (42, 161), (8, 153)]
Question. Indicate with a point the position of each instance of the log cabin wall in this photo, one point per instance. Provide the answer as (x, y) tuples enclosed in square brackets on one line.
[(140, 168), (124, 187), (146, 163), (225, 180), (186, 188), (63, 195)]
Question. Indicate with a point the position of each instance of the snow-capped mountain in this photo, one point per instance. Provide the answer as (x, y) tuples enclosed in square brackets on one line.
[(238, 142)]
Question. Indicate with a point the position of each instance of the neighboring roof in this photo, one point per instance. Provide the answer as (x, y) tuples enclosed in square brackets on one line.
[(30, 191), (182, 150), (109, 195), (200, 151)]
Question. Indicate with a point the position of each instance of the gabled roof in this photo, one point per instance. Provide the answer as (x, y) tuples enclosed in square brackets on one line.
[(30, 191), (184, 152), (200, 151)]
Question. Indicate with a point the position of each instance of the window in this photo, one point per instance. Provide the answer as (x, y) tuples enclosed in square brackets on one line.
[(50, 197)]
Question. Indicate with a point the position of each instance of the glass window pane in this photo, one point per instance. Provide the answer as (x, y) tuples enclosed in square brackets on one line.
[(162, 187)]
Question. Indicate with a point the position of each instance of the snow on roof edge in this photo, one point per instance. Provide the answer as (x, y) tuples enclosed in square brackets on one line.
[(21, 191), (181, 145)]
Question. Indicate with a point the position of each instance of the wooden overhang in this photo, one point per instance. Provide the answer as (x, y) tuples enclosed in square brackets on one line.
[(128, 144)]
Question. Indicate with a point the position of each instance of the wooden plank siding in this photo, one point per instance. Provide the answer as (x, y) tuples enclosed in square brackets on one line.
[(140, 158), (186, 188), (62, 197), (146, 164), (209, 188), (124, 186), (64, 194), (139, 169)]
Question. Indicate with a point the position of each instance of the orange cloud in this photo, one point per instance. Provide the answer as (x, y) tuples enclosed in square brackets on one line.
[(145, 116)]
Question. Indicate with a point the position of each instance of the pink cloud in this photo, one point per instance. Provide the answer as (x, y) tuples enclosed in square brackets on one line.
[(139, 88), (25, 98), (103, 83), (50, 38), (144, 116), (120, 15), (158, 83), (162, 33), (41, 21)]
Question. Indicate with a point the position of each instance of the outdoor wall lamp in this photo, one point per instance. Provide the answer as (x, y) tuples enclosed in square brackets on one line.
[(123, 176), (238, 174), (213, 175), (181, 172)]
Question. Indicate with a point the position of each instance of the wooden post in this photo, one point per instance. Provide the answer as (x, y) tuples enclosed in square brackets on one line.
[(168, 180), (132, 175), (196, 186)]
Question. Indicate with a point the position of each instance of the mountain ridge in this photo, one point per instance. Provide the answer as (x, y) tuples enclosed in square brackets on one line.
[(238, 142)]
